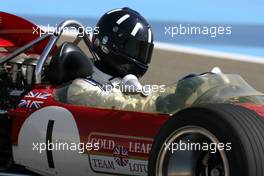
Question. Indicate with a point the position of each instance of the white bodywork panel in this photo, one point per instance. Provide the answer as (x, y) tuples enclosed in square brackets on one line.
[(34, 130)]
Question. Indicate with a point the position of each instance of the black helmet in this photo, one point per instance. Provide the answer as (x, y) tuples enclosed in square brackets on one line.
[(124, 43)]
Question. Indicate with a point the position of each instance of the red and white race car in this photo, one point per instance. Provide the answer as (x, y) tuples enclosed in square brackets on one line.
[(208, 125)]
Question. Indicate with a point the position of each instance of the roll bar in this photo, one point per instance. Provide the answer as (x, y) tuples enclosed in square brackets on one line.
[(53, 40)]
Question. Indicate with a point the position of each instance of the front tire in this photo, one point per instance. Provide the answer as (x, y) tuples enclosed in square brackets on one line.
[(239, 132)]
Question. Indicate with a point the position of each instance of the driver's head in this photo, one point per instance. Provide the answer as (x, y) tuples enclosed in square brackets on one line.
[(124, 43)]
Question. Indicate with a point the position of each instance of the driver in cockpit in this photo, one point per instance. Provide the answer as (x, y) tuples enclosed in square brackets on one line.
[(124, 48)]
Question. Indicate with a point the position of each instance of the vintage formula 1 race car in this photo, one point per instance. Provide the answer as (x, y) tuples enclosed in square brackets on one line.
[(207, 125)]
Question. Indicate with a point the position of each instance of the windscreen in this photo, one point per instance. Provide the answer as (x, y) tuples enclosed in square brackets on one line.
[(208, 88)]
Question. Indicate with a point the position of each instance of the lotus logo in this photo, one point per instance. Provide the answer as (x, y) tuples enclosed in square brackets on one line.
[(120, 154)]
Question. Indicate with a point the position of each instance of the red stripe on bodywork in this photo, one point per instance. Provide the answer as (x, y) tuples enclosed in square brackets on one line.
[(259, 109)]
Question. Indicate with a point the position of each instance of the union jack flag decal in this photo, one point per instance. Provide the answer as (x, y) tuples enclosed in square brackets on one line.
[(30, 104), (37, 95), (120, 154), (34, 101), (24, 103)]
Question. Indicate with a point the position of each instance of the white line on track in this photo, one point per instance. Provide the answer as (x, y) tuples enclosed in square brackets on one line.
[(210, 53)]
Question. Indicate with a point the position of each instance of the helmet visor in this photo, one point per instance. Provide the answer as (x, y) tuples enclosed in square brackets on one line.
[(139, 50)]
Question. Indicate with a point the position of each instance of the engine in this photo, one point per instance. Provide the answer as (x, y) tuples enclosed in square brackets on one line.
[(16, 79)]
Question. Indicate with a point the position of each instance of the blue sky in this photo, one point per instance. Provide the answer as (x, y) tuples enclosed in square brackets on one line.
[(227, 11), (245, 16)]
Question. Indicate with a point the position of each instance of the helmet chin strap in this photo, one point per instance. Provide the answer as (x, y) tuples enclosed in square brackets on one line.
[(105, 68)]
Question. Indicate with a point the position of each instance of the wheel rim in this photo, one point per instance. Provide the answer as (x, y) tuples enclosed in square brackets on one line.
[(191, 162)]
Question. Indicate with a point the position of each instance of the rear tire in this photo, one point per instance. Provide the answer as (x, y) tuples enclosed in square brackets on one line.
[(210, 123)]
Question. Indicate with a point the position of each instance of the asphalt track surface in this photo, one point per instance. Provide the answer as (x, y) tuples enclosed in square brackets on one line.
[(167, 67)]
